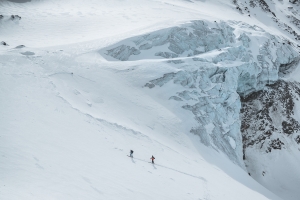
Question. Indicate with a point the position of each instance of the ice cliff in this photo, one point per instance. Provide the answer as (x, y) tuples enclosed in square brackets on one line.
[(216, 64)]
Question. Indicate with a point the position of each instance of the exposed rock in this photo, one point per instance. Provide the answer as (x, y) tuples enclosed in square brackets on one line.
[(294, 21), (297, 139), (4, 43), (269, 113), (287, 28), (294, 1), (15, 17), (247, 7)]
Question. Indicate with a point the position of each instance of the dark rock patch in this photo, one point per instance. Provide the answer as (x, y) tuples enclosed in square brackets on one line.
[(4, 43), (275, 144), (297, 139), (270, 113), (15, 17)]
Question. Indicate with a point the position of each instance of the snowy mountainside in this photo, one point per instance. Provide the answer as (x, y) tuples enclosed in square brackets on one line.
[(284, 15), (82, 83), (215, 63), (270, 128), (69, 123)]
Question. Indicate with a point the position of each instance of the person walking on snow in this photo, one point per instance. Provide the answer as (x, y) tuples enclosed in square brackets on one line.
[(152, 158), (131, 152)]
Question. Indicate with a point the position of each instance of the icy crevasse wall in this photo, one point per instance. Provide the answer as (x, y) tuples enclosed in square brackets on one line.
[(214, 63)]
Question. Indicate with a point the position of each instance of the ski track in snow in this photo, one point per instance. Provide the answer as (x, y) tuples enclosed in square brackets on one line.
[(70, 115), (155, 164), (112, 124)]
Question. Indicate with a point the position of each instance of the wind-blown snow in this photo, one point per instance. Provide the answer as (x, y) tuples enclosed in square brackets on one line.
[(83, 83)]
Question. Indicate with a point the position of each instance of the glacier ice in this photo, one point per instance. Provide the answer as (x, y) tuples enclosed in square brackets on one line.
[(219, 63)]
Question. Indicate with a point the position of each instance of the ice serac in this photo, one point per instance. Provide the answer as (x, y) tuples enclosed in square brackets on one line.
[(188, 40), (219, 62)]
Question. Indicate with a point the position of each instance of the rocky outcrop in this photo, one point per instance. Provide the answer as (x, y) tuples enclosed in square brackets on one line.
[(268, 117), (11, 17), (3, 43), (271, 137), (266, 8), (294, 1), (15, 17)]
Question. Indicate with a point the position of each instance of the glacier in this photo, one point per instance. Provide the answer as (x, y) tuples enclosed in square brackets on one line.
[(210, 88), (219, 63)]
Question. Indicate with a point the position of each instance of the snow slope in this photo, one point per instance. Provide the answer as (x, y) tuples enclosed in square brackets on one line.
[(70, 114), (270, 129), (66, 136)]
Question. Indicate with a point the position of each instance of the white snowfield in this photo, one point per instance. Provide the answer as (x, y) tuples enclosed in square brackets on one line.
[(84, 82)]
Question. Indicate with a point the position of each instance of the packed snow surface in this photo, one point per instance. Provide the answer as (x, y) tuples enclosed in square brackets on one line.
[(83, 82)]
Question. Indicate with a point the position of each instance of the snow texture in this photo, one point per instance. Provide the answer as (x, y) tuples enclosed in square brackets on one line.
[(211, 88), (83, 82)]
